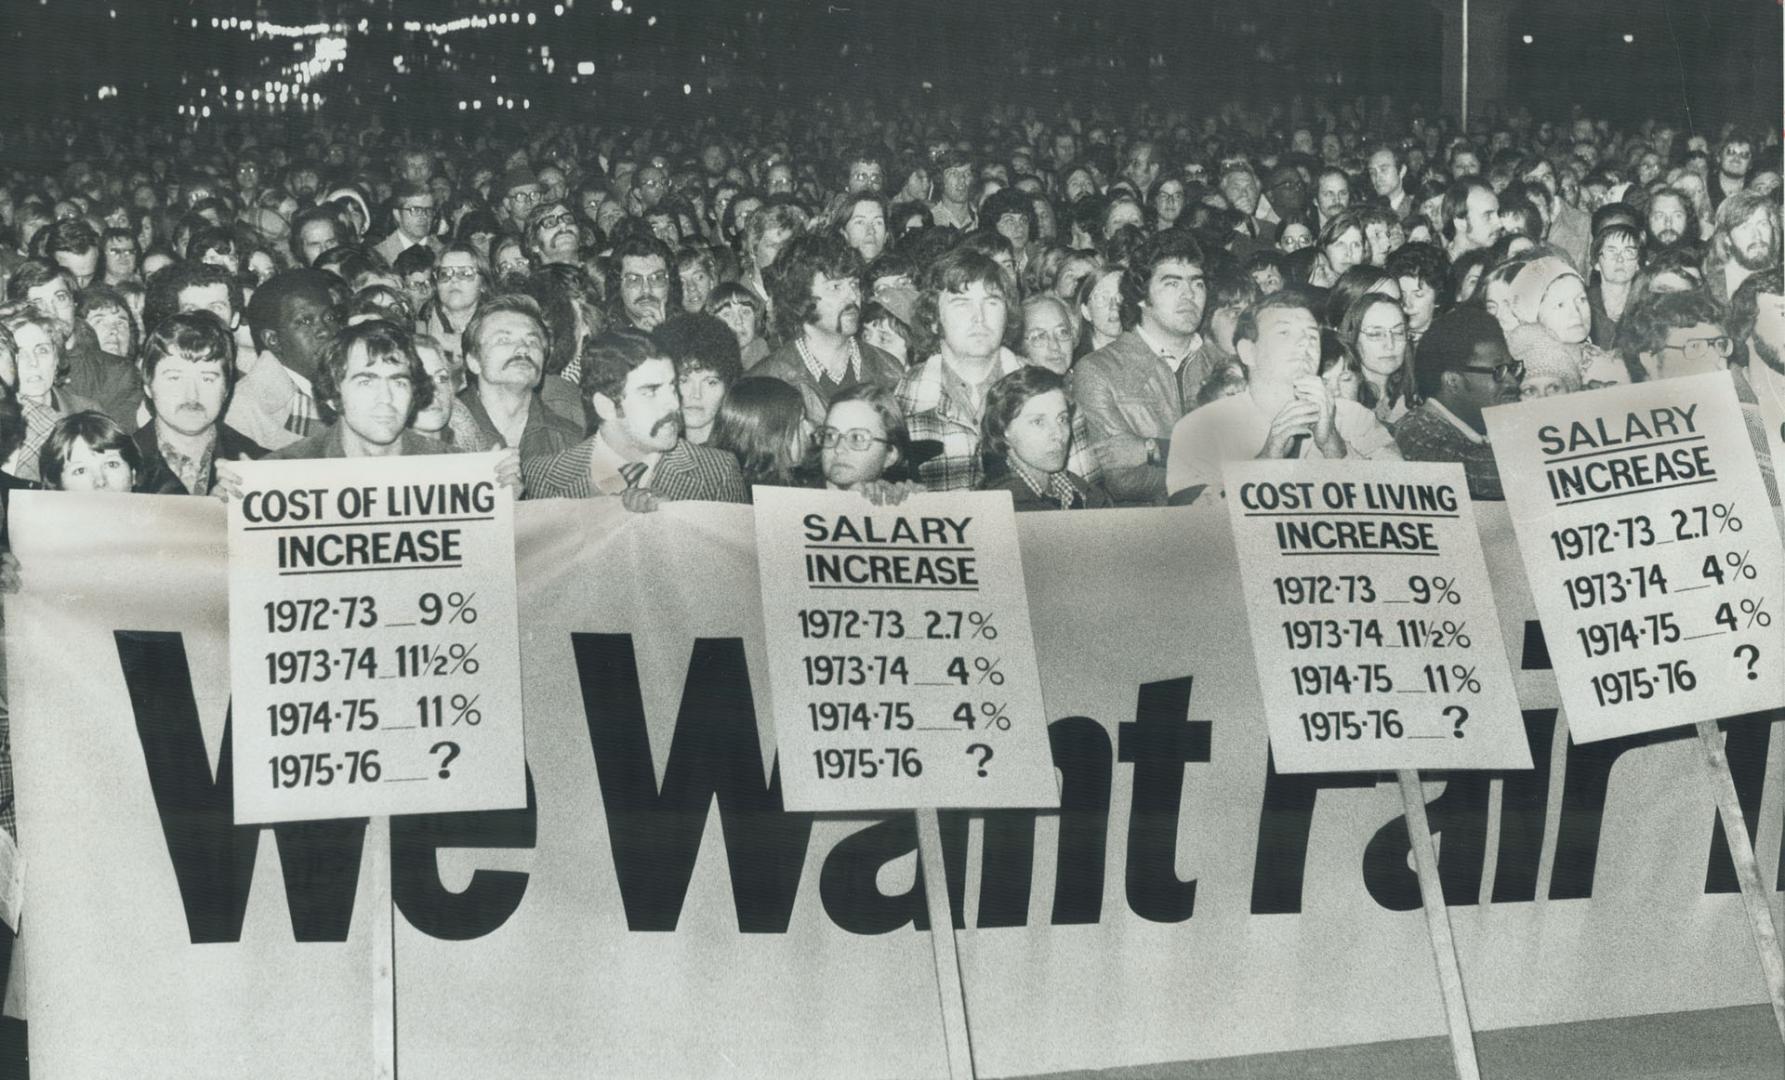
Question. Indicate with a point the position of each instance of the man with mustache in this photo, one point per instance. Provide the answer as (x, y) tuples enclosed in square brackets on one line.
[(505, 353), (1134, 390), (1671, 222), (552, 235), (637, 451), (641, 283), (815, 285), (189, 364), (1745, 241)]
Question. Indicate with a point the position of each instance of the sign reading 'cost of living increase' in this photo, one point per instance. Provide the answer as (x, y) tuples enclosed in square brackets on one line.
[(901, 661), (374, 658), (1376, 634)]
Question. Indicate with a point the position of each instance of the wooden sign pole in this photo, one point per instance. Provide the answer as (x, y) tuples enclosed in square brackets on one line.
[(1444, 953)]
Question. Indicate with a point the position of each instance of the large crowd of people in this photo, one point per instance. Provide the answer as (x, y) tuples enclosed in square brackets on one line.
[(1083, 312)]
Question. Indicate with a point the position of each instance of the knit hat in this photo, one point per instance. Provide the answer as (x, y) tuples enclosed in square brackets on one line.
[(1544, 357), (1529, 285), (519, 176), (1604, 368)]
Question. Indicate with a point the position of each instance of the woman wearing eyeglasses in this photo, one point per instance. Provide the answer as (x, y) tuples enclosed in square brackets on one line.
[(1374, 330), (1616, 259), (864, 445), (459, 279)]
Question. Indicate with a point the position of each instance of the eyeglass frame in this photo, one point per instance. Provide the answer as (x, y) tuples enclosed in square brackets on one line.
[(828, 437), (1515, 368)]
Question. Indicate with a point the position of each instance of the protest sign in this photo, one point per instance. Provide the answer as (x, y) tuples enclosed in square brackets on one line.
[(656, 910), (1652, 552), (373, 643), (1374, 627), (901, 661)]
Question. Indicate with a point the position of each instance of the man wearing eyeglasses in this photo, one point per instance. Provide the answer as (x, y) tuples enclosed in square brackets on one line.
[(552, 235), (414, 210), (1463, 367), (641, 284), (517, 193)]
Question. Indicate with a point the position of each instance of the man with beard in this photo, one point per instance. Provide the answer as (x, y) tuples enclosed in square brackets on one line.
[(1471, 217), (815, 284), (189, 361), (552, 235), (1731, 174), (1757, 320), (637, 451), (1135, 389), (641, 284), (505, 351), (1672, 222), (293, 319), (414, 210), (314, 231), (1332, 195), (1745, 241), (1462, 367)]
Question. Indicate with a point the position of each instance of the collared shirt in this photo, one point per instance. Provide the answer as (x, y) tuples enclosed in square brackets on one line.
[(942, 407), (1465, 430), (1236, 429), (194, 473), (847, 372), (605, 465), (1055, 486), (39, 419)]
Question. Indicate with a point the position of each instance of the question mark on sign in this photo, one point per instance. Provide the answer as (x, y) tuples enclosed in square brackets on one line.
[(452, 751), (1753, 652), (1458, 714), (987, 756)]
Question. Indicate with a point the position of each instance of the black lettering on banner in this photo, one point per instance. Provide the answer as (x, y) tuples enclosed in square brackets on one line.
[(1524, 797), (1283, 824), (1159, 741), (1746, 741), (1082, 753), (1459, 817), (1524, 808), (714, 754), (848, 886), (490, 898), (212, 857)]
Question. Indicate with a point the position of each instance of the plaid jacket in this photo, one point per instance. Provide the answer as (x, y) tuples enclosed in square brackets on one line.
[(685, 473), (932, 415)]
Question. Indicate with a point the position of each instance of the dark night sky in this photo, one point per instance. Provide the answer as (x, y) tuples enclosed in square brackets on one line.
[(1711, 56)]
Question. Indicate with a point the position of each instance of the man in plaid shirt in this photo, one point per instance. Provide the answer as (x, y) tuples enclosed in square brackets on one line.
[(966, 305)]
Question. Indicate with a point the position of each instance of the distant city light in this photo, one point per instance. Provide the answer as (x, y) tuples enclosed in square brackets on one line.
[(1529, 39), (1629, 39)]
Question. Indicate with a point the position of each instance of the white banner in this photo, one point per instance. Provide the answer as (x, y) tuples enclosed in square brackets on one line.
[(657, 912)]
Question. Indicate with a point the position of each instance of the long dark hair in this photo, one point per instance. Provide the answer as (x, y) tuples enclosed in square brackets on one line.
[(758, 422)]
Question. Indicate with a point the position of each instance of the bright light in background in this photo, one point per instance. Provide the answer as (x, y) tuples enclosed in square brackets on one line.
[(1629, 39), (585, 67), (1529, 39)]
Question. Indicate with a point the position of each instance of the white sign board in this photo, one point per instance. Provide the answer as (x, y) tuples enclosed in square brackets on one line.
[(1377, 638), (1652, 552), (374, 658), (901, 661)]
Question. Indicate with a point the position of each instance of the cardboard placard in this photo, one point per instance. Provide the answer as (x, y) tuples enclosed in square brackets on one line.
[(1652, 552), (901, 660), (1377, 638), (374, 651)]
